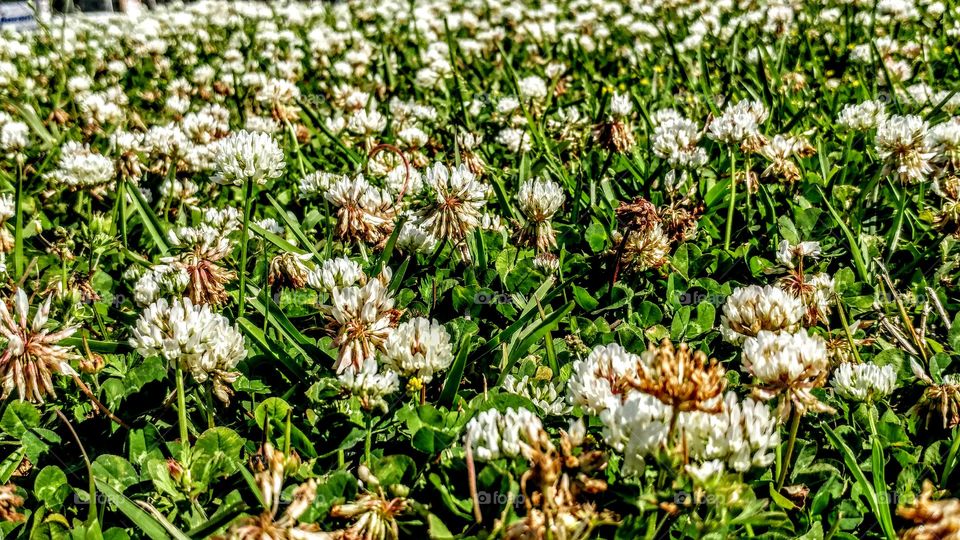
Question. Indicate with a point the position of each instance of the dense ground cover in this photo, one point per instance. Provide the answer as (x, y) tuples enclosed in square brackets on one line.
[(561, 270)]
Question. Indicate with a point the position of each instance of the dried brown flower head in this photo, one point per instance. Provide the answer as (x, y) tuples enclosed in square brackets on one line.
[(207, 280), (943, 398), (287, 270), (10, 504), (684, 379), (614, 135), (935, 520), (270, 466), (638, 214), (31, 353), (680, 222), (374, 517), (554, 489)]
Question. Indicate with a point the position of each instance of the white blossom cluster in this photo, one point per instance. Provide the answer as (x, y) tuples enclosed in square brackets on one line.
[(492, 434), (864, 382), (741, 436), (201, 342)]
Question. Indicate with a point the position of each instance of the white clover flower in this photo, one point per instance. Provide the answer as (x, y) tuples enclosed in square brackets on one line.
[(740, 124), (244, 156), (637, 427), (8, 207), (944, 140), (160, 280), (363, 318), (366, 123), (201, 342), (675, 139), (452, 208), (516, 140), (507, 105), (79, 167), (226, 219), (541, 393), (540, 199), (864, 382), (364, 211), (820, 296), (788, 364), (592, 385), (532, 88), (419, 348), (413, 238), (262, 124), (31, 353), (749, 310), (744, 435), (333, 274), (620, 105), (14, 136), (317, 183), (902, 143), (270, 225), (370, 385), (705, 473), (787, 252), (492, 434), (863, 116)]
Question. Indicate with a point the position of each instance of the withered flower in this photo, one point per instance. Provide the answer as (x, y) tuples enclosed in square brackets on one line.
[(374, 517), (614, 135), (32, 354), (287, 270), (947, 219), (683, 379), (10, 504), (554, 488), (207, 280), (935, 520), (680, 222), (943, 398), (638, 214), (270, 466)]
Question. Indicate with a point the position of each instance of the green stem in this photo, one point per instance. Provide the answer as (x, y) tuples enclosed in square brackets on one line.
[(877, 465), (208, 395), (898, 224), (18, 223), (286, 433), (731, 203), (369, 440), (950, 462), (846, 329), (242, 266), (182, 411), (266, 290), (788, 454)]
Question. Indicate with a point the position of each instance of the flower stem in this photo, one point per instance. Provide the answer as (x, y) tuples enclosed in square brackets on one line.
[(242, 266), (182, 411), (731, 203), (92, 488), (898, 223), (791, 441), (877, 465), (369, 440), (18, 223), (208, 395)]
